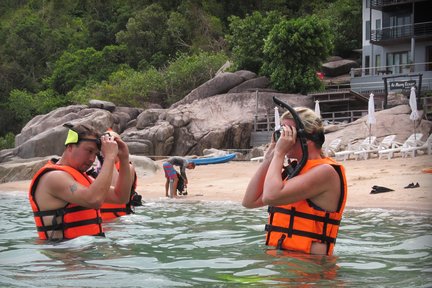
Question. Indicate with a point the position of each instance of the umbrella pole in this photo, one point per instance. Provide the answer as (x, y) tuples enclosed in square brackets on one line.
[(370, 129)]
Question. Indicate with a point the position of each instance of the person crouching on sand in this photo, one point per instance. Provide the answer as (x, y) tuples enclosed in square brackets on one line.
[(173, 177), (304, 211)]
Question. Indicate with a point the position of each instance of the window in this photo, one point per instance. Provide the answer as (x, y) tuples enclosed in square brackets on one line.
[(378, 63), (367, 65), (398, 60), (378, 24), (368, 30)]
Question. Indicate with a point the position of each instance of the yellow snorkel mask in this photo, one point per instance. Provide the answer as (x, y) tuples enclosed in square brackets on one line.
[(73, 138)]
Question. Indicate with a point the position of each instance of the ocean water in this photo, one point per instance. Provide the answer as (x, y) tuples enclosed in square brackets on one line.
[(217, 244)]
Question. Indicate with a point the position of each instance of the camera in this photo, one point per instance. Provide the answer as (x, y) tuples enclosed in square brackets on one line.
[(277, 134)]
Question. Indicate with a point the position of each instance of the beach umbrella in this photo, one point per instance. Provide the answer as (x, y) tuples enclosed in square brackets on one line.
[(413, 105), (371, 113), (277, 119), (317, 108)]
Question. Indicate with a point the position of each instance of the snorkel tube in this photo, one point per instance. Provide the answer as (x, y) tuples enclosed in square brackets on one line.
[(301, 134)]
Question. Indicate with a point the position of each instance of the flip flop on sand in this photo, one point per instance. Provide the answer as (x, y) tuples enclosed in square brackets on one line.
[(380, 189), (412, 185)]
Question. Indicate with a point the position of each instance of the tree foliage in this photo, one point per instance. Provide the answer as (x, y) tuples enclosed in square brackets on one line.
[(134, 88), (345, 17), (246, 38), (293, 53)]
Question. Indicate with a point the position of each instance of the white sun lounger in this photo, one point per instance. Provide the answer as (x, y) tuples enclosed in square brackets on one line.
[(332, 147), (426, 147), (412, 141), (386, 143), (366, 144)]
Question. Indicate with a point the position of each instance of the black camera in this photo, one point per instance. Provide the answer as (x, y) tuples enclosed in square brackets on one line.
[(277, 134)]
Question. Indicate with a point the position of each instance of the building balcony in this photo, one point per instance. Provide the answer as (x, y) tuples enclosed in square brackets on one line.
[(380, 4), (403, 33)]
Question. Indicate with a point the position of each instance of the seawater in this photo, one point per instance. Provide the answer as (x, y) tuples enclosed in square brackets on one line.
[(215, 244)]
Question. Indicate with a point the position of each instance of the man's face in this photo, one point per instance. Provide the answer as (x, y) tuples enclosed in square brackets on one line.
[(84, 154)]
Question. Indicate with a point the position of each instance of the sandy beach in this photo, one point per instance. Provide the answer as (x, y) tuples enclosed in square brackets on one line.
[(228, 181)]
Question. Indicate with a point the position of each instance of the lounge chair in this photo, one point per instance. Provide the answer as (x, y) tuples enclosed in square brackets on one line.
[(426, 147), (332, 147), (366, 144), (412, 141), (386, 143)]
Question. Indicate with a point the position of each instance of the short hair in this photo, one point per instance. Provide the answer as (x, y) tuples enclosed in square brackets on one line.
[(312, 123)]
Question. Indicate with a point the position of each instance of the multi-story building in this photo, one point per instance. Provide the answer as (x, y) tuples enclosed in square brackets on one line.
[(397, 46)]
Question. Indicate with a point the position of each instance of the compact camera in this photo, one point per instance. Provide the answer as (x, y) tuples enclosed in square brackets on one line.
[(277, 134)]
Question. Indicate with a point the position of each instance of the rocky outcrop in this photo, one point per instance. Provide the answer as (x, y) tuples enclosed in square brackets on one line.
[(208, 117), (338, 67)]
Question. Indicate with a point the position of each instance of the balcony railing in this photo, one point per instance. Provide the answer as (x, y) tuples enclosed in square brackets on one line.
[(383, 3), (402, 31), (392, 70)]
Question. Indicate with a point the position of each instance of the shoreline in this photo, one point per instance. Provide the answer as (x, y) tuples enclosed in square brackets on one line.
[(228, 181)]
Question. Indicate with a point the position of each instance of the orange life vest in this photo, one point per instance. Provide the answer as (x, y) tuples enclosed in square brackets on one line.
[(295, 226), (75, 220), (110, 210)]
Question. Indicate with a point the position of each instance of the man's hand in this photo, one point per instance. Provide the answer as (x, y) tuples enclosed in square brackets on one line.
[(109, 146), (123, 150)]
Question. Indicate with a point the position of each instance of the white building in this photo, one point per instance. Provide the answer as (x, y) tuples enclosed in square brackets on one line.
[(396, 49)]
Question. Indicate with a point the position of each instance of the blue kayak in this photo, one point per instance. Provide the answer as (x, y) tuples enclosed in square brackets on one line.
[(213, 160)]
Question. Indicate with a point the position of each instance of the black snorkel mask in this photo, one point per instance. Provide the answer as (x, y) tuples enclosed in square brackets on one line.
[(301, 134)]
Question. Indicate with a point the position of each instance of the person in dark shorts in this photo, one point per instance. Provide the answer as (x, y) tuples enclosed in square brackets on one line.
[(174, 178)]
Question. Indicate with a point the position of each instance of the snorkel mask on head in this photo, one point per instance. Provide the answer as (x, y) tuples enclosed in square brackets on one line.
[(73, 137)]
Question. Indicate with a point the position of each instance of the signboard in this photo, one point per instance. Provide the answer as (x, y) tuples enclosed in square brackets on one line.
[(406, 84)]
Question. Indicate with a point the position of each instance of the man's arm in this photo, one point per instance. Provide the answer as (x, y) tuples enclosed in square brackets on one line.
[(120, 193), (56, 188)]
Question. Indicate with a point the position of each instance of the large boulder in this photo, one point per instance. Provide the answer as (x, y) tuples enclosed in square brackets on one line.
[(220, 122), (251, 84), (45, 135), (339, 67), (218, 85)]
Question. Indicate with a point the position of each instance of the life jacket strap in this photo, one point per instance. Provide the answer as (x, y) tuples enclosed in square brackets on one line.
[(273, 228), (274, 209)]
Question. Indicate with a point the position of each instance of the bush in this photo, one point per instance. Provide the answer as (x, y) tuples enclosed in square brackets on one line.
[(8, 141)]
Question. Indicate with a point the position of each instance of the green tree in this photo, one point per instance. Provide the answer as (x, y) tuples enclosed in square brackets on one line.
[(246, 38), (294, 51), (75, 69), (345, 17), (145, 36)]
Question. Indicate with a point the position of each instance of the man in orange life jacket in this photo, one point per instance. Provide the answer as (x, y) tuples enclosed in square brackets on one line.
[(305, 210), (111, 211), (64, 200)]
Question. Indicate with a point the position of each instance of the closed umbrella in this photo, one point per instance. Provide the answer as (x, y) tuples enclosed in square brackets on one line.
[(413, 105), (317, 108), (277, 119), (371, 113)]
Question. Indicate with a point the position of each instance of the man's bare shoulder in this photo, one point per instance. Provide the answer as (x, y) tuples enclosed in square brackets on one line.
[(54, 180)]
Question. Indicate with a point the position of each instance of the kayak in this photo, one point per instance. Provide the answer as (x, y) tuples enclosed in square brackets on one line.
[(213, 160)]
